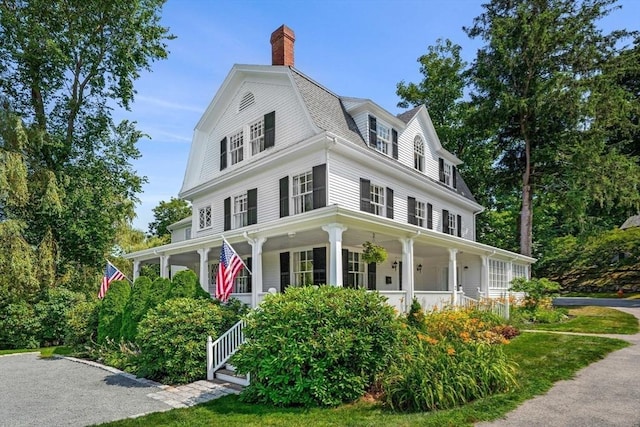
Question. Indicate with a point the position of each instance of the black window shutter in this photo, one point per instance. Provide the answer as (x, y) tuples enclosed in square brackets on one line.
[(371, 277), (373, 136), (227, 214), (365, 195), (394, 143), (252, 206), (345, 268), (319, 186), (248, 262), (459, 225), (429, 216), (454, 177), (411, 210), (445, 221), (223, 153), (285, 275), (441, 169), (270, 129), (400, 275), (284, 196), (389, 203), (320, 266)]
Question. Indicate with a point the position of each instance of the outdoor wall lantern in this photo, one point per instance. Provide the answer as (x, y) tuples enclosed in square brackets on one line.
[(394, 265), (419, 268)]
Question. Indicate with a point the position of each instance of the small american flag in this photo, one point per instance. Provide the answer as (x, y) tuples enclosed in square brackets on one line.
[(230, 266), (110, 274)]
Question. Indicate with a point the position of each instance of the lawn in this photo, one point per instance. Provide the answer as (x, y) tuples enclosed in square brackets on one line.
[(593, 320), (542, 358), (44, 352), (626, 295)]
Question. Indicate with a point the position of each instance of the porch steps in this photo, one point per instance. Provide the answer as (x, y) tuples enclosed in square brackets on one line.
[(228, 374)]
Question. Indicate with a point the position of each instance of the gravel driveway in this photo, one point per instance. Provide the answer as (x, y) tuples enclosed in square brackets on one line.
[(60, 392)]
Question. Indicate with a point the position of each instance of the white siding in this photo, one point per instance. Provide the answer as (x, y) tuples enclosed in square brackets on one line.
[(292, 126), (405, 148)]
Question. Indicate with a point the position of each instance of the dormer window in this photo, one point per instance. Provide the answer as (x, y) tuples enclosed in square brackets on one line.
[(236, 143), (447, 173), (418, 153), (256, 136), (383, 138)]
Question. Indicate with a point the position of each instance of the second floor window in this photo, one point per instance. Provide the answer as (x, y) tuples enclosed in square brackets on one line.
[(420, 214), (377, 199), (303, 192), (236, 144), (256, 136), (418, 153), (204, 217), (187, 233), (384, 138), (453, 226), (240, 211)]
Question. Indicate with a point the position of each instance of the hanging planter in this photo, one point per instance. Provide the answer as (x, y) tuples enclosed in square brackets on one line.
[(373, 253)]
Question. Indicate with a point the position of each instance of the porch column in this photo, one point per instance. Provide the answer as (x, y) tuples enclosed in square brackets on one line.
[(335, 252), (204, 268), (136, 270), (256, 268), (484, 276), (453, 274), (164, 266), (407, 270)]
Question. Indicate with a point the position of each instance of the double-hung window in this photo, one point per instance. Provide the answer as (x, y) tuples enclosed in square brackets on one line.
[(421, 213), (240, 211), (355, 270), (453, 226), (256, 136), (377, 199), (446, 173), (303, 192), (204, 217), (418, 153), (498, 274), (303, 268), (241, 285), (384, 138), (236, 143)]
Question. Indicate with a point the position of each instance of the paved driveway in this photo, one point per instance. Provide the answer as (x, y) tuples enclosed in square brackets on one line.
[(60, 392)]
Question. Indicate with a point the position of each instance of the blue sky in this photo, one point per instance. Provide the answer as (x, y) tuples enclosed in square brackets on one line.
[(359, 48)]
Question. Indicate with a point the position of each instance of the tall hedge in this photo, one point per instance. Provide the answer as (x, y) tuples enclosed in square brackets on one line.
[(185, 284), (136, 307), (112, 309), (52, 313), (316, 346), (159, 292)]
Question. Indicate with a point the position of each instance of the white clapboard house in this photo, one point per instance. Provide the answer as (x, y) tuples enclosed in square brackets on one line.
[(297, 178)]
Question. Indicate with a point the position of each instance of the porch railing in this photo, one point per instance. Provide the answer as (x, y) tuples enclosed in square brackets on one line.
[(467, 302), (220, 350)]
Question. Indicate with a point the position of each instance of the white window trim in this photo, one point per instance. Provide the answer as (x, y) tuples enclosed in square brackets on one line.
[(301, 198), (241, 284), (377, 207), (418, 153), (240, 217), (453, 224), (204, 217), (358, 274), (498, 274), (187, 233), (447, 172), (302, 274), (421, 213), (236, 147), (256, 136)]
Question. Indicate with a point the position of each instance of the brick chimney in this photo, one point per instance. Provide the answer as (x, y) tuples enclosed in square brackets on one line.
[(282, 46)]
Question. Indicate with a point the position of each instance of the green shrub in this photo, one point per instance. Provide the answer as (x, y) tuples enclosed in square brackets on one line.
[(52, 314), (159, 292), (232, 311), (316, 346), (19, 326), (415, 317), (185, 284), (136, 308), (539, 292), (463, 324), (438, 374), (172, 339), (111, 310), (82, 324)]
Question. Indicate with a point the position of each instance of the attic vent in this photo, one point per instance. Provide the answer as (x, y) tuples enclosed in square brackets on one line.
[(247, 101)]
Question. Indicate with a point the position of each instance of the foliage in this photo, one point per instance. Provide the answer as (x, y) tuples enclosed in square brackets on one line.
[(373, 253), (316, 346), (440, 374), (172, 340), (82, 324), (541, 315), (19, 326), (231, 311), (119, 354), (112, 309), (185, 284), (592, 320), (538, 291), (136, 308), (466, 324), (165, 214), (18, 278), (52, 312), (159, 292), (415, 317), (66, 163)]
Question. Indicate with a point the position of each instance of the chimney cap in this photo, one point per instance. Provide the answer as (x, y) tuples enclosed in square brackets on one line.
[(281, 31), (282, 41)]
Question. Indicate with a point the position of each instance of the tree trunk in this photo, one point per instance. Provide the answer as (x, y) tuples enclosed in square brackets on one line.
[(526, 214)]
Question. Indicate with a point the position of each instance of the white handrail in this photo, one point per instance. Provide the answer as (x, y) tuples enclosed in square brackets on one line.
[(468, 302), (220, 350)]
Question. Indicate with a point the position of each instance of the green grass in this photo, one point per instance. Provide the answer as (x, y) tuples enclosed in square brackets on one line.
[(593, 320), (542, 358), (626, 295), (44, 352)]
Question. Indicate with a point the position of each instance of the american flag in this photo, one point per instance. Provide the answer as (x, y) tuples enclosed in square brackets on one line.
[(229, 267), (111, 274)]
